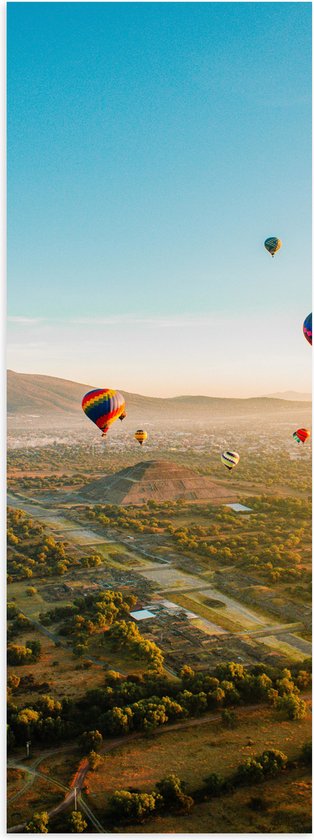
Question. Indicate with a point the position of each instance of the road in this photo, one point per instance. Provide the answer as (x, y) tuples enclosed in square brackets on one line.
[(84, 767), (34, 508)]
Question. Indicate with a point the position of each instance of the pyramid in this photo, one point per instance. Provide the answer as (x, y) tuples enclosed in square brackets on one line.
[(160, 481)]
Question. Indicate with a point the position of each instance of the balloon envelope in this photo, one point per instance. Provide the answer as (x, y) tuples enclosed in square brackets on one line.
[(140, 435), (272, 245), (230, 459), (307, 328), (301, 435), (103, 406)]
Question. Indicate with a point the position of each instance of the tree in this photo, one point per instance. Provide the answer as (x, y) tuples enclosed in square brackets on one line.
[(272, 762), (30, 591), (214, 784), (95, 760), (13, 681), (250, 772), (306, 753), (292, 706), (39, 823), (91, 740), (228, 718), (172, 790), (19, 654), (77, 822), (125, 806)]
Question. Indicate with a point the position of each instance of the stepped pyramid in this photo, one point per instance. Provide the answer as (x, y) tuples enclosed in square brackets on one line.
[(158, 480)]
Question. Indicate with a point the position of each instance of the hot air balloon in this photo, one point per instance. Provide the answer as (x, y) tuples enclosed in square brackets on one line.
[(272, 245), (301, 435), (307, 328), (230, 459), (103, 406), (140, 435)]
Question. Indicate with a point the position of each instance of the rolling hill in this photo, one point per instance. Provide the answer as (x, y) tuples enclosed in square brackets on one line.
[(48, 395)]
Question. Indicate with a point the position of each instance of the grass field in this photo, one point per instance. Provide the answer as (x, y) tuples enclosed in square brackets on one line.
[(40, 796), (56, 666), (16, 779), (288, 810), (193, 753), (215, 616)]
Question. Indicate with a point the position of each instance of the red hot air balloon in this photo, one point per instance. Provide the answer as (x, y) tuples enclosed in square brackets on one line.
[(301, 435)]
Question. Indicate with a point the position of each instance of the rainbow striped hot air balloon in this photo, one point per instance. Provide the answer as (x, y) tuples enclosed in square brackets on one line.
[(230, 459), (301, 435), (272, 245), (103, 406), (307, 328), (140, 435)]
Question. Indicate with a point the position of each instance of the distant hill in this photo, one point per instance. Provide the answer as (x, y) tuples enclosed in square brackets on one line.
[(293, 396), (158, 480), (42, 395)]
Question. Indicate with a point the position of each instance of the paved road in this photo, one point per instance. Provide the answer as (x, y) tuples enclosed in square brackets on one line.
[(32, 507)]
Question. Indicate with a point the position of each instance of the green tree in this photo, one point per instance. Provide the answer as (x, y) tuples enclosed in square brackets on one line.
[(172, 790), (292, 706), (125, 806), (306, 753), (91, 740), (213, 784), (228, 718)]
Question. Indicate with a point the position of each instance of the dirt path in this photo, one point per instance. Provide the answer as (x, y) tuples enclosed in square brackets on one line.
[(167, 570), (84, 766)]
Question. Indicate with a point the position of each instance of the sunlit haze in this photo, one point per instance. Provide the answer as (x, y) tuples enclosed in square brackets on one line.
[(151, 150)]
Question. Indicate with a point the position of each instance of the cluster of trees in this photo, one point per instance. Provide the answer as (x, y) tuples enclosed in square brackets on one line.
[(39, 824), (126, 634), (272, 544), (103, 613), (53, 459), (129, 806), (146, 702), (32, 552), (285, 696), (24, 684), (24, 654), (171, 794), (267, 469)]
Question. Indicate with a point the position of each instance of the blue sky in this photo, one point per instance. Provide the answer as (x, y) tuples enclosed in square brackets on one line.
[(151, 149)]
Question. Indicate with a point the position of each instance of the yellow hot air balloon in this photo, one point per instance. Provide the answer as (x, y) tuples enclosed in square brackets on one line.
[(140, 435), (230, 459)]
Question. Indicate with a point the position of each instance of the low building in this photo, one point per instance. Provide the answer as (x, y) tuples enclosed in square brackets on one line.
[(140, 615)]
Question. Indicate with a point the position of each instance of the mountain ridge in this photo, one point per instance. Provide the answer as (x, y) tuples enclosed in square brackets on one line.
[(36, 393)]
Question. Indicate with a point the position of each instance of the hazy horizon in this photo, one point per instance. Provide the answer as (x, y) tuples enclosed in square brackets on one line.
[(288, 394), (149, 156)]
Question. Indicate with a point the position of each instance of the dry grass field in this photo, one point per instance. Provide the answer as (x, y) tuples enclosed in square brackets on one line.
[(58, 667), (41, 795), (287, 810), (193, 753)]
